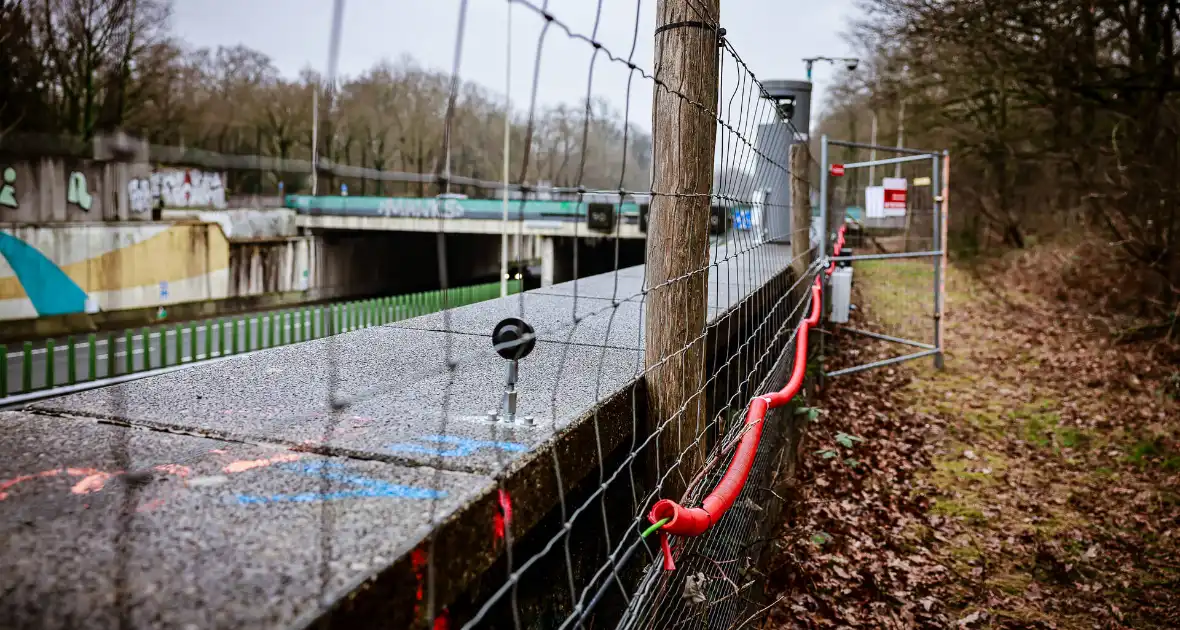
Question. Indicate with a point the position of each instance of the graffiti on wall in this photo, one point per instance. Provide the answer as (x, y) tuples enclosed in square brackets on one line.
[(76, 192), (8, 189), (139, 195), (187, 188)]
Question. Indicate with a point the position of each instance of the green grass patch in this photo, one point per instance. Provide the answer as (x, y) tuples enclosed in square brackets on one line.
[(1011, 583), (1154, 451), (952, 508)]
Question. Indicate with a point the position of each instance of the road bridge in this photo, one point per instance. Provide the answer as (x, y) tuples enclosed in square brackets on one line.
[(543, 232)]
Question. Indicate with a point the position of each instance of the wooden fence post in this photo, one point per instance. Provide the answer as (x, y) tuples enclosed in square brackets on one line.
[(684, 136), (800, 209)]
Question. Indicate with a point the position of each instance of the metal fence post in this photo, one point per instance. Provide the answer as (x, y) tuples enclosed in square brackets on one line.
[(91, 357), (110, 355), (192, 341), (26, 367), (147, 349), (49, 364), (4, 371), (208, 339), (940, 229), (823, 237), (71, 361)]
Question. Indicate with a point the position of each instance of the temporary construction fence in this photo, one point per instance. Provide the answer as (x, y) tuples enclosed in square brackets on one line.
[(902, 235), (43, 369)]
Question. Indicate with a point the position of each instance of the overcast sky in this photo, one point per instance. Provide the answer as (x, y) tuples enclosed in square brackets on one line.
[(772, 36)]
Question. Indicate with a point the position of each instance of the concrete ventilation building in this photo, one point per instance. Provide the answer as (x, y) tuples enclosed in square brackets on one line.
[(792, 101)]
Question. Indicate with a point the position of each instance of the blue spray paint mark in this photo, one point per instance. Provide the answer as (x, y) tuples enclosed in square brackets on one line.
[(368, 488), (462, 447)]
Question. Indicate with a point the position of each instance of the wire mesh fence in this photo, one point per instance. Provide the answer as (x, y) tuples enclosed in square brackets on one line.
[(893, 204), (435, 470)]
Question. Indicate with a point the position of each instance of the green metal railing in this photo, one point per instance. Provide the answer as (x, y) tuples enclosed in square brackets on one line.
[(33, 369)]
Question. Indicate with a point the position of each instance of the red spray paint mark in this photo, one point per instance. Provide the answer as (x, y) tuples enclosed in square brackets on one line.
[(503, 518), (72, 472), (418, 561), (93, 480), (91, 483), (249, 464)]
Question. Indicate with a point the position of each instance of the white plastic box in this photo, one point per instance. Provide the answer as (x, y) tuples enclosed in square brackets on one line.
[(841, 295)]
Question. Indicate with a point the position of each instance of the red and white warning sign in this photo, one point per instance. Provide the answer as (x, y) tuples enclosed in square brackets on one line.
[(837, 170), (895, 196)]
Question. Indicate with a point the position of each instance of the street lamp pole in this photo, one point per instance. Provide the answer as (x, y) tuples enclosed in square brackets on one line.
[(850, 62)]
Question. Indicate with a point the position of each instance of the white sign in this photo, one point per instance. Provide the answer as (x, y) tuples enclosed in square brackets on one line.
[(875, 202), (894, 196)]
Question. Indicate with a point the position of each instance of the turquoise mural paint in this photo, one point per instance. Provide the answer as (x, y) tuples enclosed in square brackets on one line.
[(50, 290)]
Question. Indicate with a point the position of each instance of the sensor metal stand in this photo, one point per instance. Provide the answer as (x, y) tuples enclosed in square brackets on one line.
[(513, 339)]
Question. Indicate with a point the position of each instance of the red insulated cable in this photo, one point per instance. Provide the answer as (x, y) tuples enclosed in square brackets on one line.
[(684, 521)]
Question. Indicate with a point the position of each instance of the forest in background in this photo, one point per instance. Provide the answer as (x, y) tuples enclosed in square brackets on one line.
[(77, 68), (1061, 116)]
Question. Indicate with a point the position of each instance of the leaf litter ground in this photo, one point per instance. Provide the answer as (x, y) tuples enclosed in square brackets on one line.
[(1031, 484)]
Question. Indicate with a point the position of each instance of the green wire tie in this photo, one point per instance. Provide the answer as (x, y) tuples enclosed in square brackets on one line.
[(654, 526)]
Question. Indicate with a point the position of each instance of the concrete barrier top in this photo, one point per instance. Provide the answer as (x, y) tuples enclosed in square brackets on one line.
[(262, 491)]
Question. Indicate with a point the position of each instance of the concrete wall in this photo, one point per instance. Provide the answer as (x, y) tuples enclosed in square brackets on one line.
[(55, 270), (78, 268), (75, 190), (68, 190), (273, 266), (242, 224), (774, 146)]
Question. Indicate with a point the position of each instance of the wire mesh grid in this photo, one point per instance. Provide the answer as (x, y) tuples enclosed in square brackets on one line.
[(569, 554), (897, 295)]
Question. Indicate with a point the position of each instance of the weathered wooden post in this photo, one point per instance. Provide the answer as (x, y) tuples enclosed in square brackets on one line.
[(684, 134), (800, 209)]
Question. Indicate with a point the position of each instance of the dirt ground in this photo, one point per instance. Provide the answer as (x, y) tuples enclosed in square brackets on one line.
[(1031, 484)]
